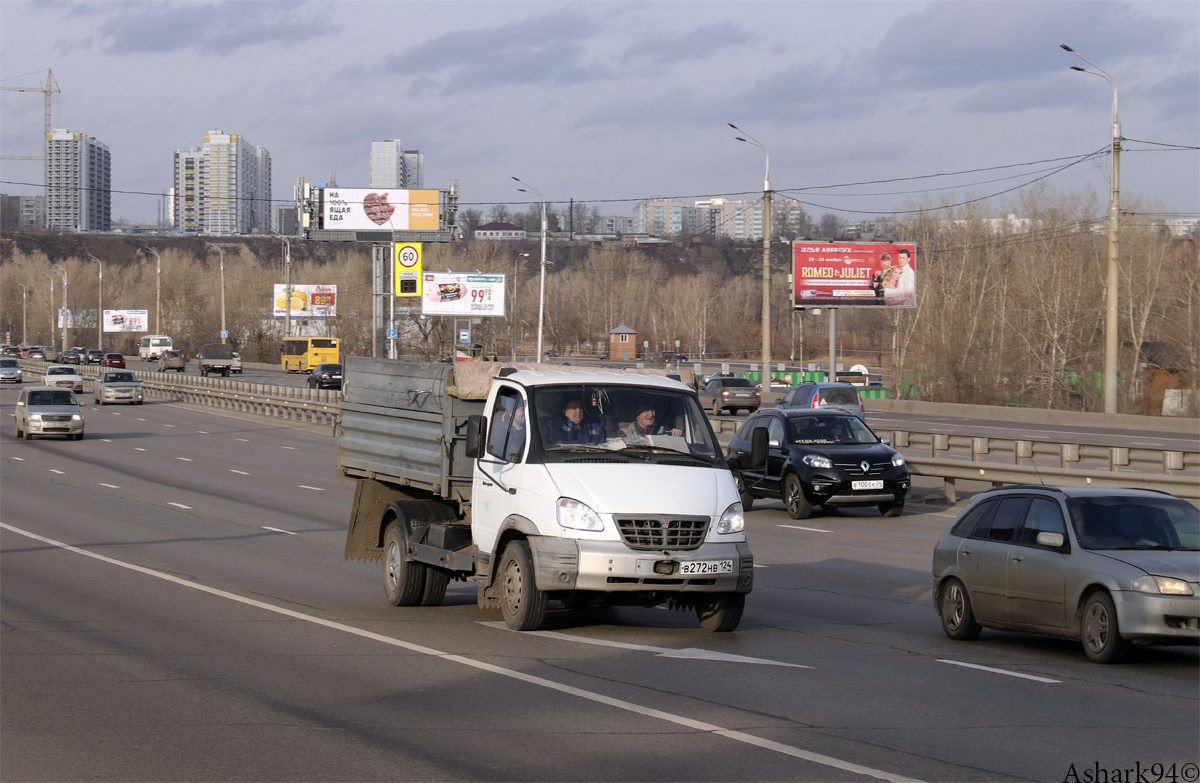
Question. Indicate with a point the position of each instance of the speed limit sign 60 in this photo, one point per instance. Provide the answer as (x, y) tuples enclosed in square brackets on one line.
[(407, 269)]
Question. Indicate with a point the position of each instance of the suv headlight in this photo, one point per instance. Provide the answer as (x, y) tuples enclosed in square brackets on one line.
[(733, 520), (76, 417), (897, 460), (1161, 585), (813, 461), (578, 516), (35, 417)]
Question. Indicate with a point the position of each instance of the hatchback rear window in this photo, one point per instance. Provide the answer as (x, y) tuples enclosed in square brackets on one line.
[(839, 397), (735, 382)]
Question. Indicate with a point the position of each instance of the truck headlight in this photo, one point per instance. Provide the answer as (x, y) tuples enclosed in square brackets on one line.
[(1161, 585), (733, 520), (35, 417), (76, 417), (813, 461), (577, 516), (897, 460)]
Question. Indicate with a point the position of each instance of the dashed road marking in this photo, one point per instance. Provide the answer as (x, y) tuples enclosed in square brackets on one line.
[(179, 505), (185, 459), (243, 440), (305, 486), (110, 486), (278, 530), (1000, 671), (289, 448), (239, 472), (810, 529), (59, 472), (136, 448), (19, 459)]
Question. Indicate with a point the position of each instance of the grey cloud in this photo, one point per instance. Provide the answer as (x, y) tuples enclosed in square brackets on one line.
[(1178, 99), (696, 44), (219, 28)]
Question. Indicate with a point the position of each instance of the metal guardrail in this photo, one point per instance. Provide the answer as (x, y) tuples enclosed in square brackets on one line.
[(992, 460)]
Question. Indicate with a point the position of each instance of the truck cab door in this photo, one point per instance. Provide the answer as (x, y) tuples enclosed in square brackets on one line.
[(497, 480)]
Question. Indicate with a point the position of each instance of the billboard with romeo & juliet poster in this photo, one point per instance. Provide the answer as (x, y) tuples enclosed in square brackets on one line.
[(853, 274)]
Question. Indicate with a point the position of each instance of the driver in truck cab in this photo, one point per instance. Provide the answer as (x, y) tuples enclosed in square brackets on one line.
[(643, 426)]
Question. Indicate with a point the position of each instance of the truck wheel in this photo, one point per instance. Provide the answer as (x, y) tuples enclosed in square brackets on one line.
[(521, 602), (797, 505), (721, 613), (404, 582), (436, 581)]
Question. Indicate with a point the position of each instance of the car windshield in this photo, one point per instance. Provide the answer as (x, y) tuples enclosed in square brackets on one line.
[(61, 397), (1135, 523), (827, 430), (9, 363), (60, 371), (640, 421), (119, 377)]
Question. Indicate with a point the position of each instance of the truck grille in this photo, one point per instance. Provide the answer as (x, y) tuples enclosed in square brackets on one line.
[(662, 531), (56, 417)]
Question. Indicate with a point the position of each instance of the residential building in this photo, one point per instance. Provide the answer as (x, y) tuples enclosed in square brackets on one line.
[(658, 217), (22, 213), (287, 221), (612, 224), (492, 231), (224, 187), (395, 168), (78, 182)]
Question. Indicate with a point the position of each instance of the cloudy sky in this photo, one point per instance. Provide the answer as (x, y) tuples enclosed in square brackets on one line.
[(613, 102)]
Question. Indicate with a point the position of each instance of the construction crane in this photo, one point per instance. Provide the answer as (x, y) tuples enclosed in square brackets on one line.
[(50, 87)]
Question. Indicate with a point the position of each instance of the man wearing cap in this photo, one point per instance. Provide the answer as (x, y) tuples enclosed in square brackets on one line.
[(642, 427), (570, 427)]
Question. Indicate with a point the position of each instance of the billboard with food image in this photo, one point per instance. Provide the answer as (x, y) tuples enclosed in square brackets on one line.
[(463, 294), (853, 274), (126, 320), (307, 301), (365, 209)]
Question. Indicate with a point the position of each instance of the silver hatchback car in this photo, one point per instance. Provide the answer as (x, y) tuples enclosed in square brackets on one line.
[(48, 410), (1112, 568), (112, 386), (10, 370)]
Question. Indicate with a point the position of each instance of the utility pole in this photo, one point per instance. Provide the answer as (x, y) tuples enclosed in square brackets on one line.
[(66, 312), (47, 274), (99, 305), (766, 273), (222, 252), (157, 289), (24, 333)]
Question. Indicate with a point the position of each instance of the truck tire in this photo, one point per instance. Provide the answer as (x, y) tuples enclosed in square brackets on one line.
[(436, 581), (403, 581), (721, 613), (521, 602)]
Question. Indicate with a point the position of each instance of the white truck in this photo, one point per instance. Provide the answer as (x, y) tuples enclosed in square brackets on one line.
[(540, 485)]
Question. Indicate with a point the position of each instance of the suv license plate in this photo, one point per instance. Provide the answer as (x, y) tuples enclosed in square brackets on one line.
[(866, 484), (707, 567)]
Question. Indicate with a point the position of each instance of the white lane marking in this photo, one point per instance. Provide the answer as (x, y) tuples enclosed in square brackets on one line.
[(756, 565), (114, 413), (19, 459), (179, 505), (59, 472), (239, 472), (106, 440), (679, 720), (305, 486), (243, 440), (135, 448), (201, 432), (168, 425), (278, 530), (810, 529), (289, 448), (110, 486), (999, 671), (138, 419), (694, 653), (185, 459)]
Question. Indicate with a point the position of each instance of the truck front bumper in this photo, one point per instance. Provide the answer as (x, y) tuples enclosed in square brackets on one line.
[(610, 566)]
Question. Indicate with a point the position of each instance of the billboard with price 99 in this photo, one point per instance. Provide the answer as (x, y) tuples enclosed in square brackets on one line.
[(853, 274), (463, 294)]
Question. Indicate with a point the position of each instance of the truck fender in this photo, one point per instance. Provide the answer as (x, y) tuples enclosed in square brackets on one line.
[(364, 536), (515, 526)]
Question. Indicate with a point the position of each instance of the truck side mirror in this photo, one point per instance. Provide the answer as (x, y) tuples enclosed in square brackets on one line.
[(758, 447), (476, 435)]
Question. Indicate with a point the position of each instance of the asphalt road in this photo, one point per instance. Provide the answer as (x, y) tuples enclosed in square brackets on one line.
[(205, 626)]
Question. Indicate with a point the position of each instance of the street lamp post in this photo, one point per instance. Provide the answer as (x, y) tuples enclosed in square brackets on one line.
[(766, 278), (287, 282), (99, 305), (47, 274), (1114, 208), (222, 252), (66, 312), (513, 304), (157, 289), (24, 333), (542, 297)]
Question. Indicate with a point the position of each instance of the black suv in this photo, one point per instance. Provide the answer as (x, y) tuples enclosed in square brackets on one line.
[(325, 376), (822, 457)]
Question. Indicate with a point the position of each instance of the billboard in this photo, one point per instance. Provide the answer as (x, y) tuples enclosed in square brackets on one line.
[(126, 320), (455, 294), (853, 274), (308, 301), (361, 209)]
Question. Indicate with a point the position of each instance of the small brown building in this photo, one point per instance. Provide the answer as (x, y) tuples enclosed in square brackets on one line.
[(622, 344)]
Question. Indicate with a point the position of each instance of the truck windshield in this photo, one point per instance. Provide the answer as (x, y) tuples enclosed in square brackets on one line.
[(637, 419)]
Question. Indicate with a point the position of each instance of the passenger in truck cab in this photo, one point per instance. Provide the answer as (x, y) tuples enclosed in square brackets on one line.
[(643, 426)]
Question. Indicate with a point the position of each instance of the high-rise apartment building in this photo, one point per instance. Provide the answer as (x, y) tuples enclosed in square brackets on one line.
[(78, 182), (224, 187), (395, 168)]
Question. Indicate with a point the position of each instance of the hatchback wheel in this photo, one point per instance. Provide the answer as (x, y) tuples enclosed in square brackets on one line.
[(1102, 640), (954, 606)]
